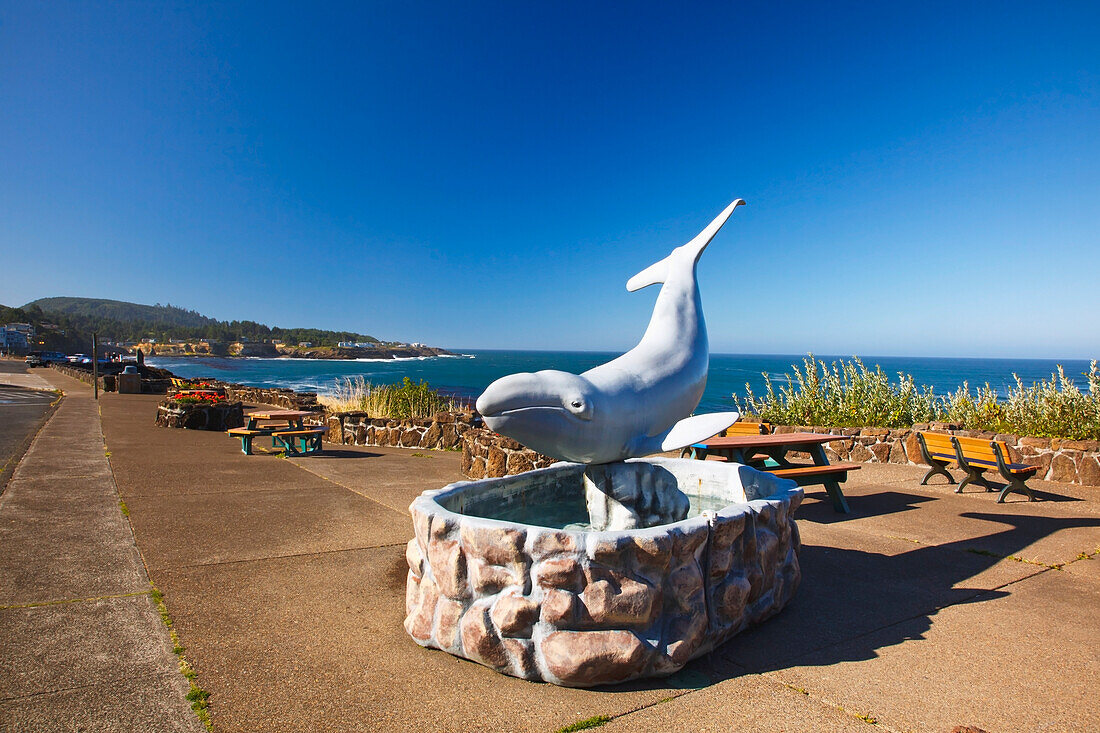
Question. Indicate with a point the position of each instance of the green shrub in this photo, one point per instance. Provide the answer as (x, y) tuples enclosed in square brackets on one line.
[(847, 394), (843, 394)]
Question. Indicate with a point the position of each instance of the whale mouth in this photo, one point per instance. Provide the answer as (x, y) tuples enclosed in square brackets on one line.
[(525, 408)]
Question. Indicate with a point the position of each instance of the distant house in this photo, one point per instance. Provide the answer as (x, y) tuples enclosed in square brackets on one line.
[(362, 345), (347, 344), (13, 341), (305, 344)]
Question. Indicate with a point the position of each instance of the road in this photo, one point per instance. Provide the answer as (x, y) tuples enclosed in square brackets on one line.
[(21, 413)]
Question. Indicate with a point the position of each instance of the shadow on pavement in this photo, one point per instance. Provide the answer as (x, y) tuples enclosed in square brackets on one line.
[(820, 510), (852, 603), (328, 453)]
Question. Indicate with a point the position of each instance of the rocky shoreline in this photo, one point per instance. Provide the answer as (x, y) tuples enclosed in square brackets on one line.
[(314, 352)]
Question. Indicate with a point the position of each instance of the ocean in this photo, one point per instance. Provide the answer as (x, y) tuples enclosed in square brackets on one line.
[(469, 373)]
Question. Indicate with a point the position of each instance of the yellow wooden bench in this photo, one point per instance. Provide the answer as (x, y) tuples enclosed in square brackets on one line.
[(976, 456), (738, 428), (748, 428), (937, 450)]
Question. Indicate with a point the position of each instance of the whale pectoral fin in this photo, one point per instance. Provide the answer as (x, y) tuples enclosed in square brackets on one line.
[(684, 433), (695, 429), (655, 273)]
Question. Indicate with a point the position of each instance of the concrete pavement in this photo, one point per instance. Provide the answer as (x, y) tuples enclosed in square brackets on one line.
[(921, 611), (83, 646)]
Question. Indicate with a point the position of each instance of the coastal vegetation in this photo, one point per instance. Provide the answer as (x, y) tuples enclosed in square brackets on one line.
[(66, 324), (848, 394), (409, 400)]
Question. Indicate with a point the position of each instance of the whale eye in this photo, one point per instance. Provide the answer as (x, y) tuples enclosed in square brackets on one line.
[(579, 407)]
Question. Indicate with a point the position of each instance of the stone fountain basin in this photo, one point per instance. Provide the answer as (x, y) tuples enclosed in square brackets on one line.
[(589, 575)]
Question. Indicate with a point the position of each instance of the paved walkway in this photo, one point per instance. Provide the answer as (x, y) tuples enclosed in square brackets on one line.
[(83, 647), (921, 611)]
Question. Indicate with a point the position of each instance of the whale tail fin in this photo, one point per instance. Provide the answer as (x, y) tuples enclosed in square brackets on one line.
[(658, 271), (685, 432)]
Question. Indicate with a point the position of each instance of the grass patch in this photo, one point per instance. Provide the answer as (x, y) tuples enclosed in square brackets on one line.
[(1016, 558), (123, 508), (594, 722), (198, 697)]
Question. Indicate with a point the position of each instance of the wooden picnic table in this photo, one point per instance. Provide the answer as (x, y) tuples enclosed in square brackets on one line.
[(291, 426), (747, 449), (294, 418)]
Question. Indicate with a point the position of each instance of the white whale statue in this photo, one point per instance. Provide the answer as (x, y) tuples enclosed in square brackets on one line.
[(632, 406)]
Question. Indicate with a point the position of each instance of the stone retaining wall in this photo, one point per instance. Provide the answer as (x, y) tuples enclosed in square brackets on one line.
[(1069, 461), (486, 454), (445, 431), (107, 381)]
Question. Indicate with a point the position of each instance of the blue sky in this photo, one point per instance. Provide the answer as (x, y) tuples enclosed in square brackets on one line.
[(921, 179)]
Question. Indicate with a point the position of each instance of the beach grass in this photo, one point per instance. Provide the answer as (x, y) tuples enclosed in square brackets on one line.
[(409, 400)]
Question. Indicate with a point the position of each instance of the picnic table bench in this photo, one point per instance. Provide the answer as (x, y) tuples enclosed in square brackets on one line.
[(975, 456), (748, 449), (247, 434), (309, 436)]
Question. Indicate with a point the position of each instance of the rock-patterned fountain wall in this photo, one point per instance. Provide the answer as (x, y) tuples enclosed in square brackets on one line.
[(582, 608)]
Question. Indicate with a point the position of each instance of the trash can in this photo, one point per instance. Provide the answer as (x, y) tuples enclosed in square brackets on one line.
[(129, 381)]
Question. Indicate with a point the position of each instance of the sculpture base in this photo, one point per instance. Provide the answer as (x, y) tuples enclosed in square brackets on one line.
[(589, 575)]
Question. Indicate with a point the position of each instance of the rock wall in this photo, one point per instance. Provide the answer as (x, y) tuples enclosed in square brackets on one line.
[(1069, 461), (445, 431), (150, 384), (486, 454), (172, 414)]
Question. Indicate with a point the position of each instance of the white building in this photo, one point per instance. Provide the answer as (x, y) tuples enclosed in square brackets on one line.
[(14, 340)]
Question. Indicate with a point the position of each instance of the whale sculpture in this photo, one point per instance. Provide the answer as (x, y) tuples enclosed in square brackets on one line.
[(636, 404)]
